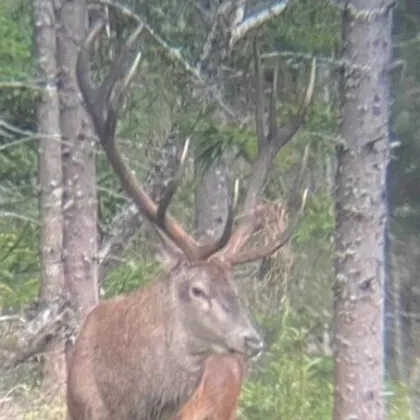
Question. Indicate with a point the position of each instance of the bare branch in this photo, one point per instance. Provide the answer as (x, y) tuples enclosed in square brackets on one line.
[(173, 184), (366, 15), (34, 331), (18, 216), (172, 53), (257, 20), (21, 141), (21, 85)]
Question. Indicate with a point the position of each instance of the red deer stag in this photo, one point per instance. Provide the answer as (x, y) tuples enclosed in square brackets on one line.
[(143, 355)]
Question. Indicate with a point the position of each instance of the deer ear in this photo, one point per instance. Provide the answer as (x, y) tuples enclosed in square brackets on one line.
[(167, 253)]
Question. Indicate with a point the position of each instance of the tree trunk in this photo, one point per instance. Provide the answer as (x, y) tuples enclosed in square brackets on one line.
[(50, 175), (361, 212), (80, 202), (212, 192), (211, 201)]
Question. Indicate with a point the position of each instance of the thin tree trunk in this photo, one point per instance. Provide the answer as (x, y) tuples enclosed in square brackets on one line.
[(50, 176), (361, 213), (80, 202), (211, 201), (212, 192)]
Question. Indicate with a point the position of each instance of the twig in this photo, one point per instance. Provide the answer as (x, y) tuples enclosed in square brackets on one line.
[(257, 20), (14, 129), (20, 85), (334, 62), (173, 54), (5, 318), (368, 15), (20, 141), (18, 216)]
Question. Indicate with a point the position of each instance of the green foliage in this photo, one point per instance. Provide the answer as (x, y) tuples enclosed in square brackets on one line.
[(15, 40), (404, 171), (135, 272), (19, 264), (177, 23), (318, 223), (17, 60), (397, 401), (320, 19), (212, 142), (290, 384), (19, 229)]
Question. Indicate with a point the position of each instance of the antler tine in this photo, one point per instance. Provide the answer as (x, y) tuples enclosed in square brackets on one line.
[(103, 109), (286, 132), (273, 246), (207, 250), (211, 249), (259, 100), (283, 237), (108, 84), (115, 93), (103, 104), (276, 139), (173, 184)]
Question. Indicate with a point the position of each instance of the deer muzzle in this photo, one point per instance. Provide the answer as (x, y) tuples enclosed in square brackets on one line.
[(254, 345)]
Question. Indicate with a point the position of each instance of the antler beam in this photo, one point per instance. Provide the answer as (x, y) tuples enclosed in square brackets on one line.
[(103, 104)]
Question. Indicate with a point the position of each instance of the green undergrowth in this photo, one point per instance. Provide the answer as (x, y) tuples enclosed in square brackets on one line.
[(288, 384)]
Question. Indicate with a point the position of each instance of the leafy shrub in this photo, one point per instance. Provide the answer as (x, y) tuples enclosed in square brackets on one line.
[(288, 384)]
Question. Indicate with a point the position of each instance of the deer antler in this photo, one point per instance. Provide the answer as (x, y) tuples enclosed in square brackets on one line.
[(103, 104), (268, 145)]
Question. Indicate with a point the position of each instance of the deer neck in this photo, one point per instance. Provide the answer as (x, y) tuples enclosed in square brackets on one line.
[(186, 352)]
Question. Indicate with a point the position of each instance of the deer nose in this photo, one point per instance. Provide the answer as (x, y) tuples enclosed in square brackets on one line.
[(254, 345)]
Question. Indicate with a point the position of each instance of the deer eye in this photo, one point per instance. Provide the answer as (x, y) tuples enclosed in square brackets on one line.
[(199, 293)]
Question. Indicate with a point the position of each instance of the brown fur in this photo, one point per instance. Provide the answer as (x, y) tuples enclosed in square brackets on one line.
[(142, 355), (216, 398)]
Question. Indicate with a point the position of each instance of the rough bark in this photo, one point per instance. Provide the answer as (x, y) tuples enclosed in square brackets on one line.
[(49, 173), (211, 201), (361, 212), (212, 192), (78, 153)]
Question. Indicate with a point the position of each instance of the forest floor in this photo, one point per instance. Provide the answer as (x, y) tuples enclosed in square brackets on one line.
[(21, 398)]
